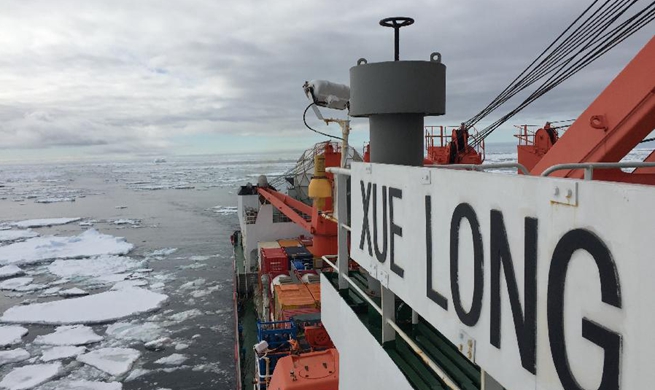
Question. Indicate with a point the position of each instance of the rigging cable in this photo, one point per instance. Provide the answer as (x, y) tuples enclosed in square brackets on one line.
[(591, 27), (594, 49), (508, 90), (304, 119)]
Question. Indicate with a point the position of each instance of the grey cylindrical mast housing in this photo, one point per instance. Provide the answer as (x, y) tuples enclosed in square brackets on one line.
[(398, 87), (396, 96)]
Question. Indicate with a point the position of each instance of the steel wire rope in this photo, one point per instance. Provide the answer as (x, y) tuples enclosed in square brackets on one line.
[(610, 43), (475, 120), (599, 21), (549, 60), (610, 39)]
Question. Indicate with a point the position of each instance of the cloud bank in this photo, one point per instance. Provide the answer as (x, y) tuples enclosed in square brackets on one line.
[(144, 77)]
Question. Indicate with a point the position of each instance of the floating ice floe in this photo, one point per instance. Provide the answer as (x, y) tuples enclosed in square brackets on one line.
[(9, 271), (132, 222), (123, 284), (13, 356), (13, 284), (89, 243), (225, 210), (159, 344), (31, 223), (49, 292), (11, 335), (172, 360), (200, 258), (185, 315), (114, 361), (58, 353), (204, 293), (157, 286), (13, 235), (112, 278), (194, 284), (54, 200), (181, 346), (144, 332), (73, 292), (69, 335), (93, 267), (162, 252), (92, 309), (136, 373), (66, 384), (193, 266), (30, 376)]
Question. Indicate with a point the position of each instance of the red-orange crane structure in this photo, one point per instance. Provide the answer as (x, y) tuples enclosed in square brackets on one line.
[(617, 121), (309, 217)]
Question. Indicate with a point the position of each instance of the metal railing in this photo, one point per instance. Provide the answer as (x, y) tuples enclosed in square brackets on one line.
[(344, 281), (417, 350), (589, 167), (483, 167), (338, 171)]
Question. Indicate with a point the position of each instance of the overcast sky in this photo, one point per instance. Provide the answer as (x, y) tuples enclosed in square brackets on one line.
[(132, 78)]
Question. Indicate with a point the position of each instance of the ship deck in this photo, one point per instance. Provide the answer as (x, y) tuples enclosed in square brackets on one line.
[(248, 320), (445, 354)]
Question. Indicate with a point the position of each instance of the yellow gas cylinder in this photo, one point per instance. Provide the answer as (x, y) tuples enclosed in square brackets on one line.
[(320, 187)]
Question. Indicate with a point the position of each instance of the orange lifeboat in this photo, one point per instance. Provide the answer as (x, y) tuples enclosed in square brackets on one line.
[(307, 371)]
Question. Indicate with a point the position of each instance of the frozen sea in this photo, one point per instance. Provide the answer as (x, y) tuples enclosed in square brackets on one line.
[(175, 218), (119, 275)]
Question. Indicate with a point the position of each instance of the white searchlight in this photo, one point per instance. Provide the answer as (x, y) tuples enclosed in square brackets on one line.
[(327, 94)]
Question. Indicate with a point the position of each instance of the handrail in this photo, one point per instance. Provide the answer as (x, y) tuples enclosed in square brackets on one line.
[(482, 167), (589, 167), (433, 366), (355, 286), (338, 171), (437, 370)]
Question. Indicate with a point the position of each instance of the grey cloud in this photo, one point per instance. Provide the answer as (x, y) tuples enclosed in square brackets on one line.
[(128, 77)]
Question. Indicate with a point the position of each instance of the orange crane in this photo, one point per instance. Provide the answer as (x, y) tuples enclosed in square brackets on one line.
[(617, 121), (312, 218)]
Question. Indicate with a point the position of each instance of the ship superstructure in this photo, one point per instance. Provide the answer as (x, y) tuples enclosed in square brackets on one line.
[(415, 276)]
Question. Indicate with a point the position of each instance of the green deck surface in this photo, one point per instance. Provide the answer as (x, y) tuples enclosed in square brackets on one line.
[(249, 322), (239, 257)]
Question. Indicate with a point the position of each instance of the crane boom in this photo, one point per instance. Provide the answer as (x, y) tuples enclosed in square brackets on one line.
[(620, 117)]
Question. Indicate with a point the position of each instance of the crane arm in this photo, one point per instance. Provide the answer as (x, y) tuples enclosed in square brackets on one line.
[(620, 117)]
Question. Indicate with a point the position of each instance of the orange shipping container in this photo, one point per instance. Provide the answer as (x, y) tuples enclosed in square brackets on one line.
[(293, 296), (289, 243), (286, 315), (315, 290)]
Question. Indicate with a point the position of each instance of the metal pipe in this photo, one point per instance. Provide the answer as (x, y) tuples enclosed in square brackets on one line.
[(329, 217), (338, 171), (437, 370), (483, 167), (352, 284), (597, 165)]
